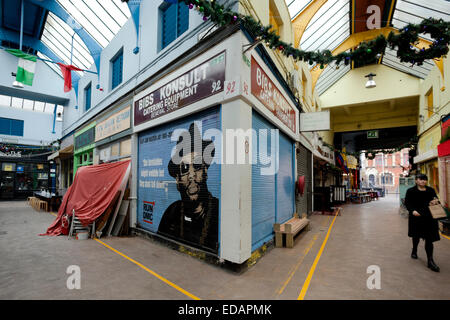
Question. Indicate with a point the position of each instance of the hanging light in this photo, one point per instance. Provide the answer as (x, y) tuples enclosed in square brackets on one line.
[(370, 83), (17, 84)]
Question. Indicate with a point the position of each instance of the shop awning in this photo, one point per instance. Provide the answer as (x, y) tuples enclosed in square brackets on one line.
[(64, 153), (92, 191)]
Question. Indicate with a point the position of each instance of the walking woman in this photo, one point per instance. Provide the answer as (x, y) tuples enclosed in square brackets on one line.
[(421, 223)]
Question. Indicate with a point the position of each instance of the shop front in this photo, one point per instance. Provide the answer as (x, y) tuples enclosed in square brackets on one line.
[(113, 135), (215, 163), (84, 144), (63, 164), (24, 170)]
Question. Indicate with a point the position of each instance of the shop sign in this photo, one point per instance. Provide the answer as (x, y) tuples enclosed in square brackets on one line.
[(14, 154), (8, 167), (325, 154), (268, 94), (315, 121), (116, 123), (105, 154), (85, 138), (19, 168), (201, 82)]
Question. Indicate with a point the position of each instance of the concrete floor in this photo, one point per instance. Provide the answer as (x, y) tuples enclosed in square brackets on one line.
[(34, 267)]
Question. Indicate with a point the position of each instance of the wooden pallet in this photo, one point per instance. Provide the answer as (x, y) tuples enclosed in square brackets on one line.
[(289, 230)]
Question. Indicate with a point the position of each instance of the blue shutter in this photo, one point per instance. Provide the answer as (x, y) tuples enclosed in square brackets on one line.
[(183, 18), (87, 97), (169, 20), (117, 67), (285, 181), (175, 21), (272, 195), (5, 126), (263, 189), (17, 127), (11, 127)]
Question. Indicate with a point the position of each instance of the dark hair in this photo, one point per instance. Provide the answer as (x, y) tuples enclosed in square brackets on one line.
[(422, 176)]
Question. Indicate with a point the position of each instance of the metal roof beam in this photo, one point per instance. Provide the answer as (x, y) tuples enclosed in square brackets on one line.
[(94, 48), (134, 7), (301, 21)]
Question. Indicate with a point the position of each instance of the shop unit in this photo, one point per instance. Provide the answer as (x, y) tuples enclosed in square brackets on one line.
[(214, 151), (63, 160), (23, 172), (84, 143), (113, 134)]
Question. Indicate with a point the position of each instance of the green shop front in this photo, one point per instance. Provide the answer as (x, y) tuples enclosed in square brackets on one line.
[(84, 144)]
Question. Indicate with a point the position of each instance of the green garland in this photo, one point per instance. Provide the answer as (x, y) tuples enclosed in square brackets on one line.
[(438, 29), (370, 153)]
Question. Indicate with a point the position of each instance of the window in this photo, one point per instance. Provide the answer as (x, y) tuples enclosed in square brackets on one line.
[(429, 102), (387, 178), (378, 160), (405, 159), (174, 20), (117, 69), (11, 127), (371, 181), (87, 97)]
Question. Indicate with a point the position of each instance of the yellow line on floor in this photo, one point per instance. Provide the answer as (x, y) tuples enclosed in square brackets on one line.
[(313, 268), (190, 295), (305, 253), (444, 236)]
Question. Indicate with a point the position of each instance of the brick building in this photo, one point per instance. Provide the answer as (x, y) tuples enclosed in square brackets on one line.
[(384, 170)]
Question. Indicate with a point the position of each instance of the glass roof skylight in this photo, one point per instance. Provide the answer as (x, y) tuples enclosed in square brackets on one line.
[(330, 26), (53, 66), (57, 36), (102, 19), (32, 105)]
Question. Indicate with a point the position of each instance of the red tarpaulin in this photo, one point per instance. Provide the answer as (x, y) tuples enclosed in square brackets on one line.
[(92, 191)]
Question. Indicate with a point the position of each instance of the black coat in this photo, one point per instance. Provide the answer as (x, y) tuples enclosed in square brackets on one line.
[(425, 226), (179, 223)]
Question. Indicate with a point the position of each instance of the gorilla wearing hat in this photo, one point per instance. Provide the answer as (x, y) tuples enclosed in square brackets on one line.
[(194, 218)]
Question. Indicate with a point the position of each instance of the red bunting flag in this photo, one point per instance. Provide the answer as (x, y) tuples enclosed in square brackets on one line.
[(67, 74)]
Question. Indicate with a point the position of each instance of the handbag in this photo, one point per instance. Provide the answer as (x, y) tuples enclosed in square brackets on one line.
[(437, 211)]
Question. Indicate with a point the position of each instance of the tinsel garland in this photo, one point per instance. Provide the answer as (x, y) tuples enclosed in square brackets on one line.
[(404, 41)]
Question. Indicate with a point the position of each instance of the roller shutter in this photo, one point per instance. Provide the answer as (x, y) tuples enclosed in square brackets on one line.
[(304, 168), (263, 188), (168, 198), (272, 194)]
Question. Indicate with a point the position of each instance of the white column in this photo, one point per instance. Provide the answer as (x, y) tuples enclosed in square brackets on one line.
[(236, 189), (134, 180)]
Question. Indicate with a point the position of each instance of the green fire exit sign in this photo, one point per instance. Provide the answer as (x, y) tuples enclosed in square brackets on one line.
[(372, 134)]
